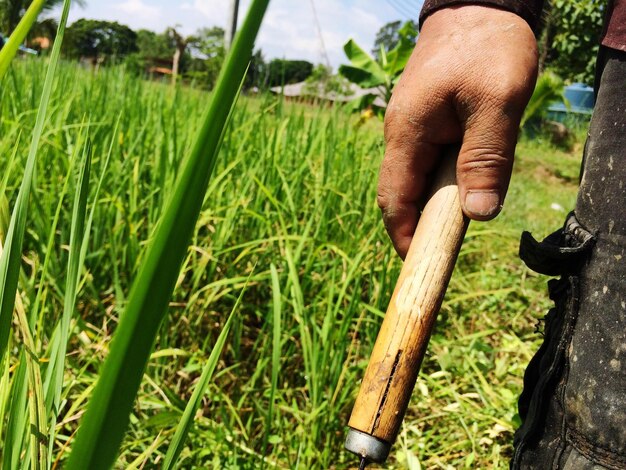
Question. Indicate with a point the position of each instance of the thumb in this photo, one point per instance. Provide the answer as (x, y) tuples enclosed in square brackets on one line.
[(485, 162)]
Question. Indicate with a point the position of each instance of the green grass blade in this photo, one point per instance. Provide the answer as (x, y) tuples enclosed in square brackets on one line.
[(5, 214), (11, 255), (103, 172), (36, 407), (107, 415), (276, 353), (5, 390), (35, 309), (56, 367), (186, 421), (17, 37), (54, 373), (14, 435)]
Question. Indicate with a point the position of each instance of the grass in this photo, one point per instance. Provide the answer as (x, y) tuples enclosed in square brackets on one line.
[(107, 416), (292, 216)]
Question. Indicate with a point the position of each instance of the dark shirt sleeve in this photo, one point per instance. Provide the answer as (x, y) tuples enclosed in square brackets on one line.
[(530, 10), (614, 34)]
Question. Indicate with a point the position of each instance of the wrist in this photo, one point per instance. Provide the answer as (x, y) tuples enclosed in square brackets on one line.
[(476, 30), (528, 10)]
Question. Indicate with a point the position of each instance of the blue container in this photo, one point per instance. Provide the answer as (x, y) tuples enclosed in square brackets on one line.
[(580, 96), (580, 104)]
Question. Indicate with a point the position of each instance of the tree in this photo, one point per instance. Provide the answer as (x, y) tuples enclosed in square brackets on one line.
[(209, 42), (181, 44), (197, 58), (11, 11), (258, 70), (569, 41), (153, 49), (388, 36), (43, 29), (180, 47), (207, 52), (284, 72), (154, 45), (100, 39)]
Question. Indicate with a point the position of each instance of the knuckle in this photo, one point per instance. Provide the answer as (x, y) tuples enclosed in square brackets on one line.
[(483, 162), (383, 199), (506, 90)]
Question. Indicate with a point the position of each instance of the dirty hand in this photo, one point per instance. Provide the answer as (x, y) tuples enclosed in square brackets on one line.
[(468, 81)]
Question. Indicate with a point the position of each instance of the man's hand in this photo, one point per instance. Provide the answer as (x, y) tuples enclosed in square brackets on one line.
[(468, 81)]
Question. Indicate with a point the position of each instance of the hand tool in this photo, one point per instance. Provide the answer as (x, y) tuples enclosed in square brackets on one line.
[(395, 361)]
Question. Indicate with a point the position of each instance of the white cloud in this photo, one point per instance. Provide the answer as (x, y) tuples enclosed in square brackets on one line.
[(289, 28), (214, 11), (138, 7)]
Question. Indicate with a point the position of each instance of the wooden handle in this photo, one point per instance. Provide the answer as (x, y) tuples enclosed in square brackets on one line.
[(392, 371)]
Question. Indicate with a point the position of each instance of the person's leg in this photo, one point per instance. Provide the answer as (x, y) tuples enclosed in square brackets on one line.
[(574, 401)]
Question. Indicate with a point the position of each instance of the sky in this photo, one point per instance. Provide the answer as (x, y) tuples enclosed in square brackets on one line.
[(289, 29)]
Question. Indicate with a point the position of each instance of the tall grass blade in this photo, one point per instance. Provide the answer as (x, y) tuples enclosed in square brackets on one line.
[(54, 373), (17, 37), (5, 390), (37, 410), (56, 367), (37, 304), (276, 335), (103, 172), (186, 421), (13, 440), (107, 415), (11, 255)]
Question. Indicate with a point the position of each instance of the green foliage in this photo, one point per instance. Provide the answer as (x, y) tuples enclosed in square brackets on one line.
[(153, 49), (573, 28), (207, 54), (10, 300), (548, 90), (284, 72), (44, 29), (383, 72), (100, 39), (200, 56), (154, 45), (184, 425), (208, 43), (11, 253), (53, 384)]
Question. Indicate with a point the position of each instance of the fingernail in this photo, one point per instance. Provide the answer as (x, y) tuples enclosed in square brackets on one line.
[(482, 203)]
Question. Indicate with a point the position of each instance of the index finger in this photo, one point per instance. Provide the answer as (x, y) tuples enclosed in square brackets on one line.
[(401, 185)]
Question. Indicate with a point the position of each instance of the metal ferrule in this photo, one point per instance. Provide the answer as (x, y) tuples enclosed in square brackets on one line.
[(367, 447)]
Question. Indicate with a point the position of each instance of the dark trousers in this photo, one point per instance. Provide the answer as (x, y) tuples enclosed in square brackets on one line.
[(573, 406)]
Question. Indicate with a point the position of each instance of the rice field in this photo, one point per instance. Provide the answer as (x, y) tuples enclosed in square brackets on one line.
[(289, 253)]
